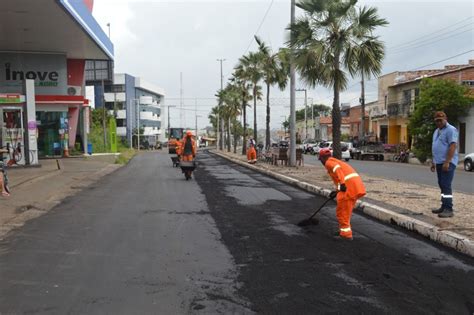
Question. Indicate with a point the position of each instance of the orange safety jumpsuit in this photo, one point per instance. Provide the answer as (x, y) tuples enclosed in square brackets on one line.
[(251, 154), (343, 173), (188, 153), (178, 148)]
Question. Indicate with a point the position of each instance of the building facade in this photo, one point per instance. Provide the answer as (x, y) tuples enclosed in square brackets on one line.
[(43, 111), (401, 96), (127, 98)]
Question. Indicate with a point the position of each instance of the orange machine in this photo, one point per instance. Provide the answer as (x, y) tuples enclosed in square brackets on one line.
[(174, 135)]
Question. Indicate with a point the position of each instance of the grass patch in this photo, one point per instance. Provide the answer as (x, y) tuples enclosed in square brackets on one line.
[(125, 156)]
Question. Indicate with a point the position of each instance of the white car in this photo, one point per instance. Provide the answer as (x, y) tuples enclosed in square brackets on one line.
[(469, 162), (346, 155)]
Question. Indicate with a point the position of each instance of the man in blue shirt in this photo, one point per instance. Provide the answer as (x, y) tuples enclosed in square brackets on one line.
[(445, 160)]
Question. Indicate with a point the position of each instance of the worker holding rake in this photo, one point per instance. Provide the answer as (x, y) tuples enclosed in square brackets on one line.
[(349, 188)]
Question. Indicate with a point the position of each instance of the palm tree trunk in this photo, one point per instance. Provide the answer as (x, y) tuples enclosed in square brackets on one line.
[(362, 108), (267, 127), (255, 112), (244, 144), (336, 112), (235, 137), (228, 136)]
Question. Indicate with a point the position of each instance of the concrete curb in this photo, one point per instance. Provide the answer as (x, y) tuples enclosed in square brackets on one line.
[(447, 238)]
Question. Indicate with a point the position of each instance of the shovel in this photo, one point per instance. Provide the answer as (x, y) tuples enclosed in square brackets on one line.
[(310, 220)]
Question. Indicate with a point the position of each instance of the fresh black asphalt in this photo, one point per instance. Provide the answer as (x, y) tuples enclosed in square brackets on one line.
[(145, 241)]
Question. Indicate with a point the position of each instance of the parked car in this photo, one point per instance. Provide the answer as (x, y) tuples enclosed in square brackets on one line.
[(345, 154), (308, 145), (469, 162)]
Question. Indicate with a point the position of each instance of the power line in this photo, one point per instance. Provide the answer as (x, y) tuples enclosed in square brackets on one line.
[(429, 42), (452, 57), (429, 34), (259, 26)]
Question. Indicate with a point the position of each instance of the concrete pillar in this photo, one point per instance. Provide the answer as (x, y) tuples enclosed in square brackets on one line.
[(31, 141)]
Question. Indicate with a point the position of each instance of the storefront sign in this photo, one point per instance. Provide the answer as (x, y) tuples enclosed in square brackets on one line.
[(10, 99), (49, 72)]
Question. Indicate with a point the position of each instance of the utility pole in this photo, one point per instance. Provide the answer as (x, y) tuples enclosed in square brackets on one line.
[(104, 116), (181, 113), (312, 119), (292, 98), (220, 124), (362, 109), (196, 115), (169, 126), (305, 112)]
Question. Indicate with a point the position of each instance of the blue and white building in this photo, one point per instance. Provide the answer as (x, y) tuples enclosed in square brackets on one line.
[(125, 98)]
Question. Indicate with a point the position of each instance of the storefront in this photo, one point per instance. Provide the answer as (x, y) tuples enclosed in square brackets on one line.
[(43, 111)]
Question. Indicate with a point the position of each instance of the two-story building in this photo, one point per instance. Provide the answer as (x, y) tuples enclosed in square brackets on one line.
[(404, 93)]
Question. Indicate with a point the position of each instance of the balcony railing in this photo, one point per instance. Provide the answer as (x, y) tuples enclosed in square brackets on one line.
[(398, 109)]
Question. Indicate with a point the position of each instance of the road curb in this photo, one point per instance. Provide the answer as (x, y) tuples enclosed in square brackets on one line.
[(447, 238)]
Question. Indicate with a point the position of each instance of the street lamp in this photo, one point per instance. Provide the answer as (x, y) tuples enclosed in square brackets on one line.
[(305, 111), (169, 130)]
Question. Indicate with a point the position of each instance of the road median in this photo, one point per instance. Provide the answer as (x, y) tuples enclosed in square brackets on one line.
[(378, 209)]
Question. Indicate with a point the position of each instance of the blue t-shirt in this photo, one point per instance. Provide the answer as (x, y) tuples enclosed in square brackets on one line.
[(442, 139)]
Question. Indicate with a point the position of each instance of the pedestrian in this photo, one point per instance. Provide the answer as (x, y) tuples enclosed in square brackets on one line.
[(188, 147), (445, 160), (349, 189), (251, 154), (3, 186)]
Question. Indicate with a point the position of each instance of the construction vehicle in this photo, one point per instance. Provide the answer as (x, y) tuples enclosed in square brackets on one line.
[(175, 134)]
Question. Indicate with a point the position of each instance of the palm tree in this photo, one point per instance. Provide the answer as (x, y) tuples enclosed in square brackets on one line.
[(252, 73), (274, 70), (325, 42), (242, 85)]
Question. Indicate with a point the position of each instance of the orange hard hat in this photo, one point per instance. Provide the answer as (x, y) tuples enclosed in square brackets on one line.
[(325, 152)]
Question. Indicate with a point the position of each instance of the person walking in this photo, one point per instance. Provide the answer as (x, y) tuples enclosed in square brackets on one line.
[(188, 147), (251, 154), (3, 185), (445, 159), (350, 188)]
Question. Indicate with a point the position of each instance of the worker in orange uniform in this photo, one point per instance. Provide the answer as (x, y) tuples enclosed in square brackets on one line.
[(251, 154), (178, 148), (188, 147), (349, 188)]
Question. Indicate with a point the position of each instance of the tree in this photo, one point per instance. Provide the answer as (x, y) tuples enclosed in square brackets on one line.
[(325, 42), (242, 85), (318, 110), (250, 66), (275, 70), (436, 95)]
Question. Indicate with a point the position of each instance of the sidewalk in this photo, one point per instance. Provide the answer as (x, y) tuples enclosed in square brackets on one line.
[(405, 204), (34, 191)]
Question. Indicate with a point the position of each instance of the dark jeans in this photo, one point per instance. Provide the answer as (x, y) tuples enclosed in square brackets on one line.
[(444, 181)]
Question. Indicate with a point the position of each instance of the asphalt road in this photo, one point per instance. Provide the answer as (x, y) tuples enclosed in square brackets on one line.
[(145, 241), (418, 174)]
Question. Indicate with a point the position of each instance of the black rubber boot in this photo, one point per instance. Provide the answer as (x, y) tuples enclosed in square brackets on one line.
[(447, 213), (439, 210)]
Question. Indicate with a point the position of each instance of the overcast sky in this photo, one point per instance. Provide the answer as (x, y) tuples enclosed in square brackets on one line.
[(157, 40)]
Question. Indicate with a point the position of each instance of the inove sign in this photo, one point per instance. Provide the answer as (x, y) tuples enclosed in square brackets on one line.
[(49, 71)]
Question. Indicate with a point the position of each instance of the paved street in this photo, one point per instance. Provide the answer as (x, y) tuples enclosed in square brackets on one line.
[(145, 241), (419, 174)]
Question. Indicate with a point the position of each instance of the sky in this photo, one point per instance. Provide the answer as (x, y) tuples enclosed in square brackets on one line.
[(158, 40)]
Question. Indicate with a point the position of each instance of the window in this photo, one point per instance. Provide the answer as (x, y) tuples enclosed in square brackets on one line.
[(468, 82), (385, 102), (417, 95), (121, 123), (406, 97)]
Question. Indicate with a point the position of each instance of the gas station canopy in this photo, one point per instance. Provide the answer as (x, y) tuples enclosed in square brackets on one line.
[(53, 26)]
